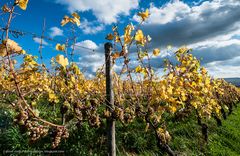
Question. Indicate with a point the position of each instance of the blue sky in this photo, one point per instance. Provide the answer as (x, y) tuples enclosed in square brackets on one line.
[(211, 28)]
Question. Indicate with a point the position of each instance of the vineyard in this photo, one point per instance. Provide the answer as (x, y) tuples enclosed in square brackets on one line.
[(128, 112)]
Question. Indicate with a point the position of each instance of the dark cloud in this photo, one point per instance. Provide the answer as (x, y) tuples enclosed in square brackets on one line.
[(206, 56), (217, 54), (189, 30), (207, 28), (210, 28)]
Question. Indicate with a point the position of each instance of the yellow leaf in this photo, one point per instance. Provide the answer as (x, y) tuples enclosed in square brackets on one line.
[(65, 20), (116, 55), (75, 15), (12, 47), (53, 98), (182, 50), (170, 76), (36, 112), (61, 60), (194, 104), (138, 69), (127, 34), (160, 130), (22, 4), (172, 109), (5, 8), (109, 37), (139, 37), (107, 113), (3, 50), (127, 39), (72, 78), (117, 39), (203, 71), (23, 52), (60, 47), (51, 95), (144, 72), (156, 52), (33, 103), (183, 69), (75, 21), (170, 90), (144, 15)]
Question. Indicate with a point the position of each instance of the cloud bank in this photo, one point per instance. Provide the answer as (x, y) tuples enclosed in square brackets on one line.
[(106, 11), (211, 28)]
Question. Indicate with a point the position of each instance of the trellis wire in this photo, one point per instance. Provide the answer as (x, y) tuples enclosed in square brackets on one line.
[(19, 33)]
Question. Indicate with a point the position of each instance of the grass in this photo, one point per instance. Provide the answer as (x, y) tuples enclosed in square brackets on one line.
[(226, 139), (223, 140), (187, 138), (133, 140)]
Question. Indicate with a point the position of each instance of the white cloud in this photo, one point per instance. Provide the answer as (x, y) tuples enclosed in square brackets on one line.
[(38, 40), (90, 27), (55, 31), (86, 43), (89, 61), (211, 28), (106, 11), (220, 41), (224, 69), (177, 10), (172, 11), (198, 26), (169, 12)]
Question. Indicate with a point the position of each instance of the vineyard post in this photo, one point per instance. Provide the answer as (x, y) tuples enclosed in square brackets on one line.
[(110, 100)]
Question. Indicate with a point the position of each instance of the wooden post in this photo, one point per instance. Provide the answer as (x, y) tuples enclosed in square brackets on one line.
[(110, 100)]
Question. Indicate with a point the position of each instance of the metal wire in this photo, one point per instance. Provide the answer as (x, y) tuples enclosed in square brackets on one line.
[(17, 33)]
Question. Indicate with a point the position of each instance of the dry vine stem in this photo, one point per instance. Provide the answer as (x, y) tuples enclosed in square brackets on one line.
[(12, 71)]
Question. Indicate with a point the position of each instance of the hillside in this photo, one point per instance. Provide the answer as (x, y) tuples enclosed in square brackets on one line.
[(235, 81)]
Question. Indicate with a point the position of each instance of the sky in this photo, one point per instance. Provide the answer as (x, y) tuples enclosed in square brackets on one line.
[(210, 27)]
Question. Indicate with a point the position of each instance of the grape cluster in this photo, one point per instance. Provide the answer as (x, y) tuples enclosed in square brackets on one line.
[(94, 120), (163, 135), (77, 110), (60, 133), (36, 130), (87, 110)]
